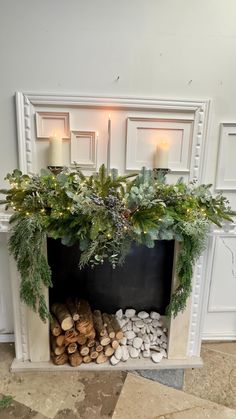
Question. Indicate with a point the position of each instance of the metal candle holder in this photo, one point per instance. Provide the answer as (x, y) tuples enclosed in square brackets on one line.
[(55, 169), (161, 172)]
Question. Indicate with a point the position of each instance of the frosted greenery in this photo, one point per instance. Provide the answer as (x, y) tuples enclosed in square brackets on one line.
[(105, 214)]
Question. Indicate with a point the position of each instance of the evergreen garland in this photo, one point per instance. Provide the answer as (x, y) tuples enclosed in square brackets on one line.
[(105, 214)]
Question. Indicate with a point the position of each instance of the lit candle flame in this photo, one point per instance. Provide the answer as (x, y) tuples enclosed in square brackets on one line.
[(164, 144)]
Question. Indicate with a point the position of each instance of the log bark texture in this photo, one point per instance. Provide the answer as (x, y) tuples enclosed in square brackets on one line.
[(72, 306), (60, 359), (63, 316), (98, 323), (75, 359), (116, 327), (55, 326), (107, 323)]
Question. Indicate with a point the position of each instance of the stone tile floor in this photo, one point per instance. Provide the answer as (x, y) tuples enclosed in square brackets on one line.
[(209, 392)]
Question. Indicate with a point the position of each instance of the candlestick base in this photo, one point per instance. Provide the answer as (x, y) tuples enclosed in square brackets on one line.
[(55, 169), (160, 173)]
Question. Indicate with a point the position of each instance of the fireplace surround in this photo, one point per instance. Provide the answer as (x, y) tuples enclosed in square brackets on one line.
[(32, 335), (184, 339)]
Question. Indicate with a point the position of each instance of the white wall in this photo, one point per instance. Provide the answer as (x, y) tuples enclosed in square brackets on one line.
[(158, 48)]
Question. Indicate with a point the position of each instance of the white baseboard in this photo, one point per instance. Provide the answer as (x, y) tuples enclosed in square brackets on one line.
[(219, 336), (7, 337)]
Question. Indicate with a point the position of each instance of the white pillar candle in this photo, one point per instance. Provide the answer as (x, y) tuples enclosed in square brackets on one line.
[(55, 151), (162, 155)]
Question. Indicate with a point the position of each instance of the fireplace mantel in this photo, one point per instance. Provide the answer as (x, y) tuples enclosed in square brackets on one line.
[(185, 330)]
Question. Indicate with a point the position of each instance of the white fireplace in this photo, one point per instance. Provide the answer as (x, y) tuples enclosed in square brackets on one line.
[(133, 120)]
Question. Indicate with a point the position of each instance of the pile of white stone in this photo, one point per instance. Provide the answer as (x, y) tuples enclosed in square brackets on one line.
[(144, 336)]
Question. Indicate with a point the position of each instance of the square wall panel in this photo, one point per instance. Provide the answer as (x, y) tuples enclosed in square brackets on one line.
[(83, 148), (143, 135), (226, 168), (49, 124)]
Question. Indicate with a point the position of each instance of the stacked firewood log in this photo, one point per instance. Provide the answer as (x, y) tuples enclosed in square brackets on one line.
[(79, 335)]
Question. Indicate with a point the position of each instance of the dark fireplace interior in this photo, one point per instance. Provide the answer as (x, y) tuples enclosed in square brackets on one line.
[(143, 282)]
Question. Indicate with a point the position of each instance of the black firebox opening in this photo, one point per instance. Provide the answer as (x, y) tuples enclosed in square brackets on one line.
[(143, 282)]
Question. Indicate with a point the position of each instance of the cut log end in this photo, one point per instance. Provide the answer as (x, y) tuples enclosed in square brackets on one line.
[(101, 358), (60, 359), (75, 359)]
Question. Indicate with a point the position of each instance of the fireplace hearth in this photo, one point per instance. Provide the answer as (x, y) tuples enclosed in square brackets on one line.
[(33, 343)]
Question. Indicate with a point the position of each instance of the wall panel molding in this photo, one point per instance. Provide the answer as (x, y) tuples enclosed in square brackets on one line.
[(50, 124), (222, 264), (143, 135), (226, 167), (195, 111), (83, 149)]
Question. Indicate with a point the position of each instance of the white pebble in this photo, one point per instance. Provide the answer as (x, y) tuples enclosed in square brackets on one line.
[(146, 346), (143, 315), (142, 347), (155, 315), (125, 354), (159, 332), (162, 351), (118, 352), (129, 326), (155, 348), (122, 322), (152, 329), (130, 312), (148, 329), (135, 329), (146, 339), (157, 357), (156, 323), (135, 318), (137, 343), (134, 353), (119, 314), (143, 330), (164, 345), (148, 320), (146, 354), (139, 323), (164, 338), (114, 360), (123, 341), (130, 334)]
